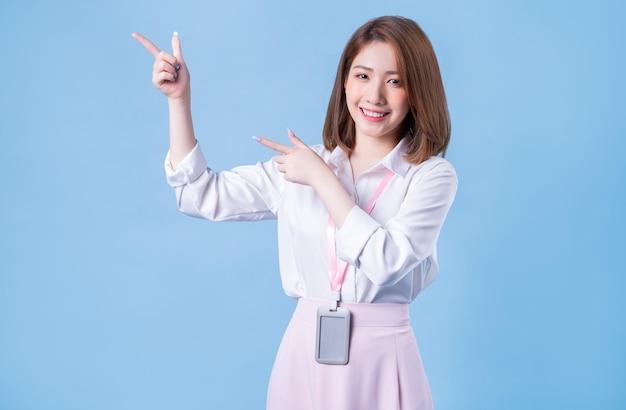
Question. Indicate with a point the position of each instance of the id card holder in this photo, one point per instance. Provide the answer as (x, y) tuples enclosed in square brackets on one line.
[(332, 341)]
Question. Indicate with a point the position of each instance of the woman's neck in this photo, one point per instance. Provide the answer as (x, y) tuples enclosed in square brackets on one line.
[(368, 152)]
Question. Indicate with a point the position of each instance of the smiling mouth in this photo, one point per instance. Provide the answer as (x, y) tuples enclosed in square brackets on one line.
[(373, 114)]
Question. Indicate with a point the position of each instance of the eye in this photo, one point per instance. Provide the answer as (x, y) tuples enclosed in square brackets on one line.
[(362, 76), (395, 82)]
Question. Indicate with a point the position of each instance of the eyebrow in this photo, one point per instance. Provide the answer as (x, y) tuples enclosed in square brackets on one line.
[(362, 67)]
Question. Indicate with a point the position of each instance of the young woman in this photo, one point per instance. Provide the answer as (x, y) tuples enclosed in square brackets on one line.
[(358, 217)]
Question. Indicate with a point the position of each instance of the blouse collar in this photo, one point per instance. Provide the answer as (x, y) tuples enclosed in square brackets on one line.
[(394, 160)]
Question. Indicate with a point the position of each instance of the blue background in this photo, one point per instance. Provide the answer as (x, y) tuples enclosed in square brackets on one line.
[(111, 299)]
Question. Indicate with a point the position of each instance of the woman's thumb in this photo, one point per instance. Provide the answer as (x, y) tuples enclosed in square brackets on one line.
[(295, 140), (176, 49)]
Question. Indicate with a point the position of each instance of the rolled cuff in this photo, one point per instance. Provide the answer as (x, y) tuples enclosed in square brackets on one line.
[(189, 169), (357, 229)]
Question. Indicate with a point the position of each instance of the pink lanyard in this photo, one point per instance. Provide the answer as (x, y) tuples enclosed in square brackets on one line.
[(337, 277)]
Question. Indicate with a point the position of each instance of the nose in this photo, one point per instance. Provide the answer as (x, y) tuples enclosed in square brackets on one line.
[(376, 93)]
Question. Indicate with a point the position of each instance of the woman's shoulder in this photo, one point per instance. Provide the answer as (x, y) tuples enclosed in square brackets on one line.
[(433, 163), (433, 166)]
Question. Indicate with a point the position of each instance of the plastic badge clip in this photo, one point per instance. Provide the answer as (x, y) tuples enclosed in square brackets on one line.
[(336, 299)]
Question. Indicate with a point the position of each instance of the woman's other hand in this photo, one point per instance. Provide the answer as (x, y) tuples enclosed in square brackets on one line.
[(169, 72), (299, 163)]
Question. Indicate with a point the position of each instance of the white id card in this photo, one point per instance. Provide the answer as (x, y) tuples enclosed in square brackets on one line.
[(333, 335)]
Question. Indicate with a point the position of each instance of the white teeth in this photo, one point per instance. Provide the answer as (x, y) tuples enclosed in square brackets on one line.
[(373, 114)]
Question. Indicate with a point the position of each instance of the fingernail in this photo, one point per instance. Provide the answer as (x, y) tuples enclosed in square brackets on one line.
[(176, 33), (254, 137), (289, 131)]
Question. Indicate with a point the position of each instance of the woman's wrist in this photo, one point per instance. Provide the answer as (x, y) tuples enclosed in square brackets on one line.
[(182, 101)]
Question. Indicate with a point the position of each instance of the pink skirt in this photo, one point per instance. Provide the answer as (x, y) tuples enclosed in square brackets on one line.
[(384, 370)]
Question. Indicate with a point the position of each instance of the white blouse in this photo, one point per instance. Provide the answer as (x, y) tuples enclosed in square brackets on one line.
[(392, 253)]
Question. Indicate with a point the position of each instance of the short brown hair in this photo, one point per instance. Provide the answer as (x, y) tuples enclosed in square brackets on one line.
[(427, 124)]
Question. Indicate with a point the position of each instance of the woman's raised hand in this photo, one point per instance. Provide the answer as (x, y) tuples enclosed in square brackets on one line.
[(169, 72)]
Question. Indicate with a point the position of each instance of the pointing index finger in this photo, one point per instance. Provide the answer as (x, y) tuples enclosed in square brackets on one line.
[(152, 49), (276, 146)]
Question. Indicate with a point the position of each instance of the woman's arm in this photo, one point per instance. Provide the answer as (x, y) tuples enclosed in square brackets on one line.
[(302, 165), (171, 76), (387, 252)]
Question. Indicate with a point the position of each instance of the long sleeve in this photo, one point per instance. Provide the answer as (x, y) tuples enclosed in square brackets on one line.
[(243, 193), (386, 252)]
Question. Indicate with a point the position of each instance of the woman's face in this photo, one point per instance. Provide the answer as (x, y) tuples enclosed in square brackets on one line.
[(375, 94)]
